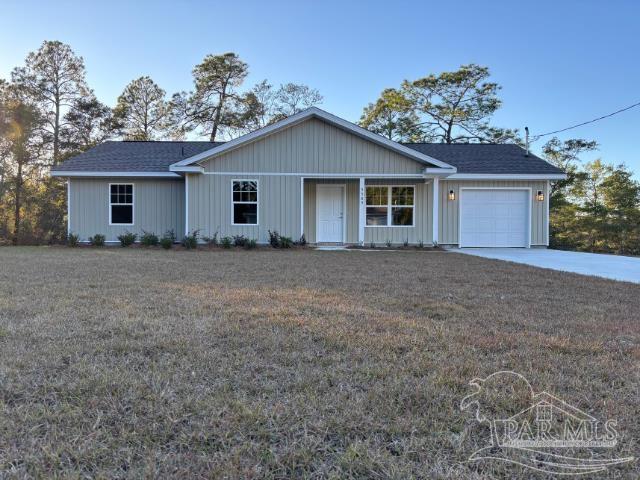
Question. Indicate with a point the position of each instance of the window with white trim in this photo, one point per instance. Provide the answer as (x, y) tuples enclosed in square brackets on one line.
[(121, 204), (245, 202), (390, 205)]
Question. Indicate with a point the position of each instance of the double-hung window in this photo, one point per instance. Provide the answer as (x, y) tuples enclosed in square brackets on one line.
[(245, 202), (121, 204), (390, 206)]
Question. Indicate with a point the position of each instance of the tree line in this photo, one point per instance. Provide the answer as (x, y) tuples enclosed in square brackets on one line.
[(49, 113)]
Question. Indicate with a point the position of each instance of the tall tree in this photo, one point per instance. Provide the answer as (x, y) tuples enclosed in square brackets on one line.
[(264, 105), (566, 156), (214, 104), (54, 77), (87, 123), (392, 116), (142, 113), (292, 98), (453, 107), (20, 128)]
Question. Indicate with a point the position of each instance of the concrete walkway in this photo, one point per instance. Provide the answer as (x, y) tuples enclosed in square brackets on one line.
[(614, 267)]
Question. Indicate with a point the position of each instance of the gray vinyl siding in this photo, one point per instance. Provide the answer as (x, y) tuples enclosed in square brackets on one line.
[(310, 147), (210, 206), (449, 217), (158, 207)]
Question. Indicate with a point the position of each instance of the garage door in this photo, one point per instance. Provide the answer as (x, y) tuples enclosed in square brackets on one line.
[(494, 218)]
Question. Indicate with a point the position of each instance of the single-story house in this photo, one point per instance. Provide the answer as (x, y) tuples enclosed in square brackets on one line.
[(317, 175)]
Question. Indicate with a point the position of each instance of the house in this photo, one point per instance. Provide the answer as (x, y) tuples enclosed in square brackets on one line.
[(318, 175)]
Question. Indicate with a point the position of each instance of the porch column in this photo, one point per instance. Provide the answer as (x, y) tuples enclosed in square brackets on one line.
[(436, 209), (302, 207), (361, 212)]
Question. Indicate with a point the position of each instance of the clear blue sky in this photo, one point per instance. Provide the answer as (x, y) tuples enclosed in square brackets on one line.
[(559, 62)]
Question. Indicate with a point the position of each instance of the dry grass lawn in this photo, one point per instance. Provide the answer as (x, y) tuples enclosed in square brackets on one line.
[(277, 364)]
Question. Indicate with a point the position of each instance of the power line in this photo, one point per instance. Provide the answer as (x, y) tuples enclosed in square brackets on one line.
[(537, 137)]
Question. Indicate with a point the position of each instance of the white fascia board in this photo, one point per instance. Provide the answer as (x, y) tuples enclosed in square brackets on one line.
[(113, 174), (190, 169), (507, 176), (312, 112), (443, 172)]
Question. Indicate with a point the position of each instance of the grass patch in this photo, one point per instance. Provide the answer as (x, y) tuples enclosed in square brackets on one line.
[(290, 363)]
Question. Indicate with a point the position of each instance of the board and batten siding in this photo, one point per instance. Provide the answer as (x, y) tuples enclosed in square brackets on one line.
[(158, 207), (211, 207), (449, 214), (313, 146), (352, 188)]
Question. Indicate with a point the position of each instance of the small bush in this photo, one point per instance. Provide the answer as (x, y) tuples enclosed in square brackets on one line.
[(226, 242), (286, 242), (388, 243), (274, 239), (166, 243), (97, 240), (240, 240), (372, 245), (421, 244), (190, 241), (303, 240), (149, 239), (127, 238), (406, 243), (213, 241), (251, 244), (73, 240)]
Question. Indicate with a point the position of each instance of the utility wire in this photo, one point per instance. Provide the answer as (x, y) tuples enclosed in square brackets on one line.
[(537, 137)]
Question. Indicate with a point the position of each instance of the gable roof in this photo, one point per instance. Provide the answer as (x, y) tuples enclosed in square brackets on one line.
[(314, 112), (167, 158), (487, 158)]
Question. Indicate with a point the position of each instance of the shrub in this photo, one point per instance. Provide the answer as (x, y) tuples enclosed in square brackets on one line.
[(388, 243), (251, 244), (226, 242), (274, 239), (421, 244), (97, 240), (190, 241), (303, 240), (127, 238), (406, 242), (166, 243), (73, 240), (240, 240), (372, 245), (149, 239), (213, 241), (286, 242)]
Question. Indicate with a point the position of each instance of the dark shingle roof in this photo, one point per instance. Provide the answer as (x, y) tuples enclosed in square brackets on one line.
[(486, 158), (127, 156), (133, 156)]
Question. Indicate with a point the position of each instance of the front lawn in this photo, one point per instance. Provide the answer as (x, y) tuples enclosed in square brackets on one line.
[(278, 364)]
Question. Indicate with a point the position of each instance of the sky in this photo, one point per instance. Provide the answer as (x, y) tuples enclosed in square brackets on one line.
[(558, 62)]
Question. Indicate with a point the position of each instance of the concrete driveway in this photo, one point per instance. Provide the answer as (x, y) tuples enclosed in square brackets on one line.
[(614, 267)]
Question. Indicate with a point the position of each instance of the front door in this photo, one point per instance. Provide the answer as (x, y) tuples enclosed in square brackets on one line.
[(330, 212)]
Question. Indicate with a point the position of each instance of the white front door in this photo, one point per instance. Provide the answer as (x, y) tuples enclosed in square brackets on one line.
[(494, 217), (330, 212)]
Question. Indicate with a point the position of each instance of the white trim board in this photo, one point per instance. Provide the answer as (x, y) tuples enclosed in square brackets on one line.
[(133, 205), (312, 112)]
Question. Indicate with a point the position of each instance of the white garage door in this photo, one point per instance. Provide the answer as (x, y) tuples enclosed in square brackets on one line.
[(494, 218)]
